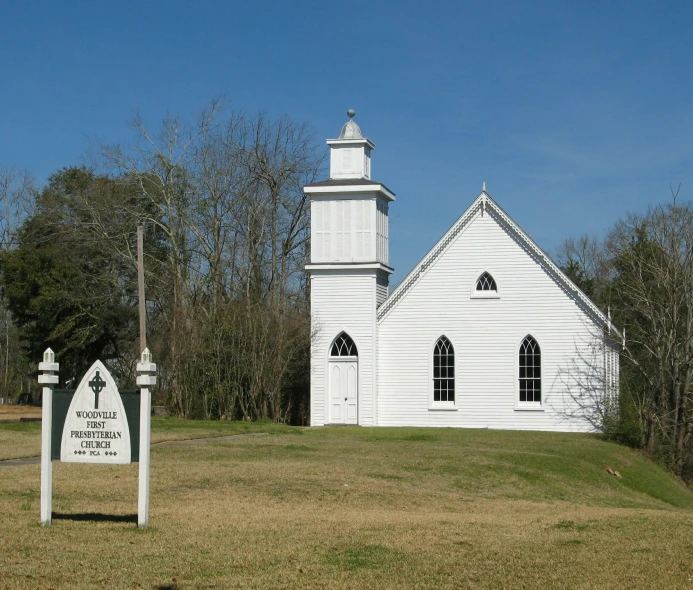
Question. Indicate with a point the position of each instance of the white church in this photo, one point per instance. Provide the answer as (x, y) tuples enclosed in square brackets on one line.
[(485, 332)]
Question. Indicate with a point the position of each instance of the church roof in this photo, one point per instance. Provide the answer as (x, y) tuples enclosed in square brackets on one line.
[(484, 203)]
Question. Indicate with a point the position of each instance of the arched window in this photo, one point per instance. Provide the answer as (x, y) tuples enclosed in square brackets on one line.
[(530, 370), (486, 283), (443, 371), (343, 345)]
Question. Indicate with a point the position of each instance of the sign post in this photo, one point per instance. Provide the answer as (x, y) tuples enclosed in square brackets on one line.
[(146, 377), (48, 378)]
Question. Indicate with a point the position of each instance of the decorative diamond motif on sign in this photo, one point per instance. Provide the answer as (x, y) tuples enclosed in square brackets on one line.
[(97, 384)]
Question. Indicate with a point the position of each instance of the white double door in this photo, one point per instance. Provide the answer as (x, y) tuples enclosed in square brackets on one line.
[(343, 391)]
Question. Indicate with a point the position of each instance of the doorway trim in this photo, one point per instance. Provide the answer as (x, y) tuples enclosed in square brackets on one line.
[(342, 356)]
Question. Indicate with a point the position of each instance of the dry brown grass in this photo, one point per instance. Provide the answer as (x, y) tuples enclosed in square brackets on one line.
[(8, 412), (19, 439), (356, 508)]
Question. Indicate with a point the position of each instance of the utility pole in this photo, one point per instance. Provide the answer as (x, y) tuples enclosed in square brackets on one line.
[(140, 288)]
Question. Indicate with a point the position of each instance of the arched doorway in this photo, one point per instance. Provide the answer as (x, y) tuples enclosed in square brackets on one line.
[(343, 371)]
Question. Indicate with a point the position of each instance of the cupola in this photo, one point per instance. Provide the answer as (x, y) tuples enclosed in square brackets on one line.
[(350, 154)]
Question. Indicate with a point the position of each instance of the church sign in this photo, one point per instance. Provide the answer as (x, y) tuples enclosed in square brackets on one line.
[(96, 426), (96, 423)]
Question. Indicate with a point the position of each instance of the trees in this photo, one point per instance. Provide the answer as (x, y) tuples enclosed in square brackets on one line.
[(65, 288), (582, 259), (643, 272), (226, 234), (225, 194), (16, 199), (652, 295)]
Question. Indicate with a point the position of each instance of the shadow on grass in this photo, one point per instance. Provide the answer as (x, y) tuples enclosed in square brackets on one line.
[(96, 517)]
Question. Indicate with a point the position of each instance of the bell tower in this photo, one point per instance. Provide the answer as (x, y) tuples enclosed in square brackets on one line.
[(349, 275)]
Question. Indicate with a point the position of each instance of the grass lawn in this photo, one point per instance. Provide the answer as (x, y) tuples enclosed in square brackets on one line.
[(352, 508), (23, 439)]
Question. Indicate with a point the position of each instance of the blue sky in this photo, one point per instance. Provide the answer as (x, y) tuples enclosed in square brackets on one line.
[(574, 113)]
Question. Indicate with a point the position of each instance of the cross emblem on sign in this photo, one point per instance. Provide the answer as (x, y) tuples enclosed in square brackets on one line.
[(97, 384)]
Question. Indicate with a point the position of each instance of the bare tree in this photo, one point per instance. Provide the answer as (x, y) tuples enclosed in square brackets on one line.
[(17, 196), (651, 260), (583, 260), (225, 194)]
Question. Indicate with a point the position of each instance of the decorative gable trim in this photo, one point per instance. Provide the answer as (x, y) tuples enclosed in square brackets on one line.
[(551, 268), (484, 203), (430, 258)]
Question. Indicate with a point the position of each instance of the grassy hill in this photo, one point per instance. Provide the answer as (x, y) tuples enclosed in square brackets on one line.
[(354, 507)]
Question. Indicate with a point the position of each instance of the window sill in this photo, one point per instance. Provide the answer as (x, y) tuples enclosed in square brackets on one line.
[(528, 407), (485, 295), (442, 409)]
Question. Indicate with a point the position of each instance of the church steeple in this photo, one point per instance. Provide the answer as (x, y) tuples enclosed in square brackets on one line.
[(349, 212), (350, 154), (349, 277)]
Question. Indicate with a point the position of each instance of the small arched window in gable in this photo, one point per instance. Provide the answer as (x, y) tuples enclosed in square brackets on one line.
[(486, 283), (530, 370), (343, 345), (443, 371)]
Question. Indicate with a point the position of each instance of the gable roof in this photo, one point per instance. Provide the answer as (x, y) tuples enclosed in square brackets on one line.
[(485, 203)]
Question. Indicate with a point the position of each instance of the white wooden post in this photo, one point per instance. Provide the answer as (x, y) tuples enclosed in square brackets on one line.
[(48, 378), (146, 376)]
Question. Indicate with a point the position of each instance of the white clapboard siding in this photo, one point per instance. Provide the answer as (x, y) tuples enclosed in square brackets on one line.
[(382, 289), (486, 334), (343, 300)]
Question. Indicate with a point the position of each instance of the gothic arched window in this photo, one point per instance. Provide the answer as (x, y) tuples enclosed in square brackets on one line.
[(443, 371), (486, 283), (530, 370), (343, 345)]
